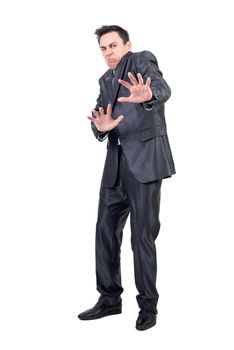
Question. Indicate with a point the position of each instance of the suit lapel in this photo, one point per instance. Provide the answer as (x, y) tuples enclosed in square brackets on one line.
[(108, 84), (119, 73)]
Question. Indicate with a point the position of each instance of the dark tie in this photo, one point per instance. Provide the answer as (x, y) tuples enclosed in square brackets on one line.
[(113, 78), (115, 131)]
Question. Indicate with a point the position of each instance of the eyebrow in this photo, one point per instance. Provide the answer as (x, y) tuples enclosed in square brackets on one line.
[(103, 47)]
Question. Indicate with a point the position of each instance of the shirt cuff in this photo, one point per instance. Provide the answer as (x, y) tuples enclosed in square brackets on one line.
[(102, 135), (148, 105)]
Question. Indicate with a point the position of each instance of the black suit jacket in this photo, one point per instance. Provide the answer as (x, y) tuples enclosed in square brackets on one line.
[(143, 131)]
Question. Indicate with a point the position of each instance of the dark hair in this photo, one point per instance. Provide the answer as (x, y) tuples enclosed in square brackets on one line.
[(107, 29)]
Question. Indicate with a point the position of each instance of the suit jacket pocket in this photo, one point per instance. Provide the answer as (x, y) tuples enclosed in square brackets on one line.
[(150, 133)]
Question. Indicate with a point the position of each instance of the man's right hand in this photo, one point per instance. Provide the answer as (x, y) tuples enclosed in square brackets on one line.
[(105, 122)]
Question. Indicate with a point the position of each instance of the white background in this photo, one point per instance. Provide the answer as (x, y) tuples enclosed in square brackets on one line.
[(51, 167)]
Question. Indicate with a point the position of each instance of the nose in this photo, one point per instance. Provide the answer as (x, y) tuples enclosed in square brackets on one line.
[(108, 52)]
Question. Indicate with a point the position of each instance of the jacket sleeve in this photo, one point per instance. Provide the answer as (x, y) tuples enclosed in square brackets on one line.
[(147, 65), (101, 136)]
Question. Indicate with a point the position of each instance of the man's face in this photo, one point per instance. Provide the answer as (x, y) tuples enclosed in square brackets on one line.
[(113, 48)]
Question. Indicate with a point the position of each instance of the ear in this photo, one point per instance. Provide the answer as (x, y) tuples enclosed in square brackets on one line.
[(129, 45)]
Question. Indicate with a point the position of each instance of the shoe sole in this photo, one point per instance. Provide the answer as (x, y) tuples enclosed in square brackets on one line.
[(107, 313)]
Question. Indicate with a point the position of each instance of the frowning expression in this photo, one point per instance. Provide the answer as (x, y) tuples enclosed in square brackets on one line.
[(113, 48)]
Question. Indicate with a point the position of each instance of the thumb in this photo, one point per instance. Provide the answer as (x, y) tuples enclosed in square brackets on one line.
[(120, 118)]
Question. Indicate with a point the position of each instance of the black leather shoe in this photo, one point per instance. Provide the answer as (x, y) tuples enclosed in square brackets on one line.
[(102, 309), (145, 320)]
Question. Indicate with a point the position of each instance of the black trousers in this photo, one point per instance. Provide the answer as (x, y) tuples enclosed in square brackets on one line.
[(142, 201)]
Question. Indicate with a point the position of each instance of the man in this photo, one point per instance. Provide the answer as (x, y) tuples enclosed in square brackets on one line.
[(130, 112)]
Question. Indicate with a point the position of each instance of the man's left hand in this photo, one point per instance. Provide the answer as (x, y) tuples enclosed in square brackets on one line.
[(140, 92)]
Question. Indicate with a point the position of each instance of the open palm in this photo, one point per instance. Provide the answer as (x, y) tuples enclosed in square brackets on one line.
[(104, 121), (140, 92)]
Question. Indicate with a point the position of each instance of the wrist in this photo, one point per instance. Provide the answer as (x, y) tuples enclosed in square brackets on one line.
[(151, 99)]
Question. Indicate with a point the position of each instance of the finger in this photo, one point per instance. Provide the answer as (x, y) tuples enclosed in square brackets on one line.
[(148, 82), (124, 99), (101, 110), (119, 119), (132, 78), (96, 113), (140, 79), (109, 109), (92, 119), (124, 83)]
